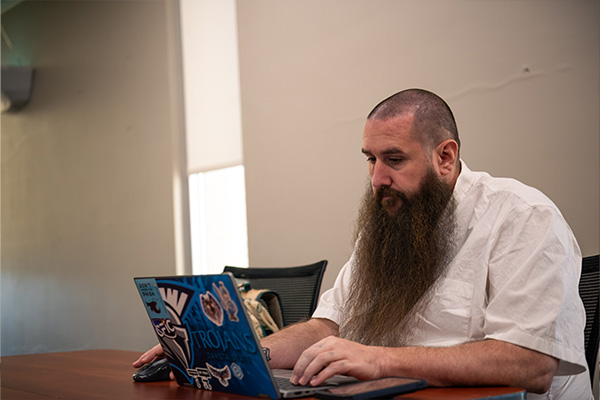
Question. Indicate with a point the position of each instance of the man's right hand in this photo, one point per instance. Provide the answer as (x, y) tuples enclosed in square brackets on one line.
[(289, 343), (149, 356)]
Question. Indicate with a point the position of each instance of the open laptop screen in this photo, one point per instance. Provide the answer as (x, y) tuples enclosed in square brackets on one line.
[(205, 333)]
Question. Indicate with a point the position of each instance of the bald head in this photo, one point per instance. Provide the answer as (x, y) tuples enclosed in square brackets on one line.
[(433, 120)]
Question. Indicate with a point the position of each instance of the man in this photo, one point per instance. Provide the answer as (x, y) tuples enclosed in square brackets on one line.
[(456, 277)]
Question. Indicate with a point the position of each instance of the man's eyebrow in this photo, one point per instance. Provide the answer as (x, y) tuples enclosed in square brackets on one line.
[(386, 152)]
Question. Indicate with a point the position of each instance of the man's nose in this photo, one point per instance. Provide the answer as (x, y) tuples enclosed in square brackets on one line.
[(380, 176)]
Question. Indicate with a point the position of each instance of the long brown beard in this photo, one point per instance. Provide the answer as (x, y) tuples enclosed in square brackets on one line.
[(398, 259)]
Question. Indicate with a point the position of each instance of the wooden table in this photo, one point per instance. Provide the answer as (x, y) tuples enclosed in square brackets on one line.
[(106, 374)]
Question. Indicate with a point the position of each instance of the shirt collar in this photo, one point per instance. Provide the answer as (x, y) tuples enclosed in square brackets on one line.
[(465, 180)]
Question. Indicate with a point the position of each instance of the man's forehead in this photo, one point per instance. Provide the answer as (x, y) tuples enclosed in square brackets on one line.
[(393, 133), (392, 126)]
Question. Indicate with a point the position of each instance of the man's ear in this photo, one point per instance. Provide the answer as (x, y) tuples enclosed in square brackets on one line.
[(444, 157)]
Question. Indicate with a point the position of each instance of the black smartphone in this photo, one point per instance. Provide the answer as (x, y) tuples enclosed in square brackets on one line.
[(373, 389)]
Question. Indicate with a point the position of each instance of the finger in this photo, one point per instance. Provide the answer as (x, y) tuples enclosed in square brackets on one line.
[(148, 356), (318, 365), (326, 366), (304, 361), (140, 362), (334, 368), (307, 358)]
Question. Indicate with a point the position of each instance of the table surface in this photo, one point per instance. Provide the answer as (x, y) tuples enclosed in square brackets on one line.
[(106, 374)]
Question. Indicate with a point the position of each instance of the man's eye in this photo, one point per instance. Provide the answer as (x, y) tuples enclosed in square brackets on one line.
[(394, 161), (371, 160)]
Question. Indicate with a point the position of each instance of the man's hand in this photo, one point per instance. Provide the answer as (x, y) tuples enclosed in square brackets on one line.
[(149, 356), (334, 356), (484, 363), (154, 353), (289, 343)]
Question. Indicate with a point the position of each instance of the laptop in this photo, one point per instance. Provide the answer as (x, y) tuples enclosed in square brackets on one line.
[(209, 341)]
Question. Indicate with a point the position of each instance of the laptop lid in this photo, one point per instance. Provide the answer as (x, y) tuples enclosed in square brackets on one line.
[(206, 335)]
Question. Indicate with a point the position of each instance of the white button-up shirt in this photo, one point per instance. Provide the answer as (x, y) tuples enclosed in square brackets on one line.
[(514, 278)]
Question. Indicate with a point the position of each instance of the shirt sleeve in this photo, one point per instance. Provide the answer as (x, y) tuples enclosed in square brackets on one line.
[(332, 301), (533, 297)]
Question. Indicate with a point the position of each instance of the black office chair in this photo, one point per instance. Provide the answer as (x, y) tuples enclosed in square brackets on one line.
[(298, 287), (589, 290)]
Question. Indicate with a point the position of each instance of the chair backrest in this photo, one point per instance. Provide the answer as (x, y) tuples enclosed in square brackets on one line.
[(589, 290), (298, 287)]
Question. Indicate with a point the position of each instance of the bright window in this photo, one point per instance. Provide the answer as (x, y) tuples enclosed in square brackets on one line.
[(218, 220)]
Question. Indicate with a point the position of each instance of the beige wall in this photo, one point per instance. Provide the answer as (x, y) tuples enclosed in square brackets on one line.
[(89, 173), (521, 77)]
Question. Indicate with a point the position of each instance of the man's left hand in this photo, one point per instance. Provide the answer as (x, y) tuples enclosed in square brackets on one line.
[(334, 356)]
